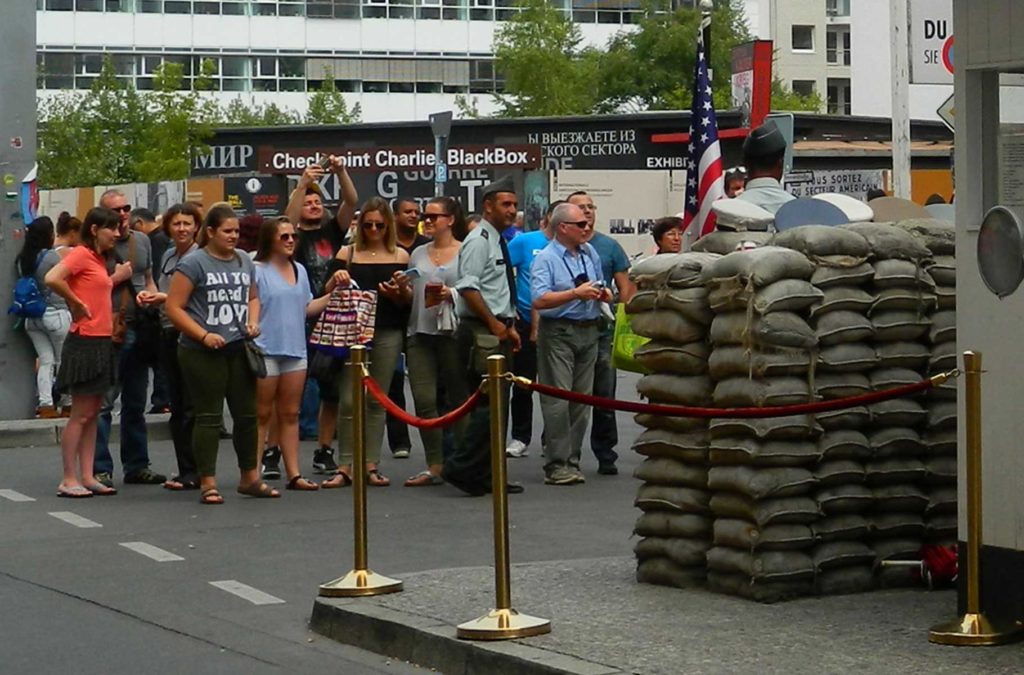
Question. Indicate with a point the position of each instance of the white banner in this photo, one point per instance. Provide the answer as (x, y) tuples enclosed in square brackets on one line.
[(931, 41), (852, 182)]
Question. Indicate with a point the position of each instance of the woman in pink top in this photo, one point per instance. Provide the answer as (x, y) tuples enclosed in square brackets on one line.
[(88, 363)]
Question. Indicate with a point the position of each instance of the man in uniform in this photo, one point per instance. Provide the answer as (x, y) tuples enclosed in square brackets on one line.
[(487, 310), (764, 154), (604, 432)]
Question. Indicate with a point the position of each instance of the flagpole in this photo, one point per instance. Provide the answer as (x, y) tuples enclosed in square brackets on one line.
[(706, 7)]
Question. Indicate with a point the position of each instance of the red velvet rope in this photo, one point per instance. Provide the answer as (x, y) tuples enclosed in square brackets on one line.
[(732, 413), (418, 422)]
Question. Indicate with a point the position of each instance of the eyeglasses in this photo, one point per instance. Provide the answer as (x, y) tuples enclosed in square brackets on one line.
[(434, 216), (286, 236), (582, 224), (588, 207), (369, 224), (122, 209)]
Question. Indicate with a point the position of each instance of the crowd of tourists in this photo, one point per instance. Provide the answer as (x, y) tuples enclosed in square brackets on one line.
[(221, 310)]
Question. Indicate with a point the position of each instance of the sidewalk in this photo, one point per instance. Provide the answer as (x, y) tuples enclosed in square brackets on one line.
[(604, 623), (35, 432)]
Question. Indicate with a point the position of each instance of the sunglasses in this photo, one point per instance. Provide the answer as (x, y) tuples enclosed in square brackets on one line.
[(122, 209), (435, 216), (582, 224), (580, 279), (286, 236), (368, 224)]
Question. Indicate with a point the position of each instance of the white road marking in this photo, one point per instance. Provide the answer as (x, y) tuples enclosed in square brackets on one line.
[(15, 496), (74, 519), (150, 551), (253, 595)]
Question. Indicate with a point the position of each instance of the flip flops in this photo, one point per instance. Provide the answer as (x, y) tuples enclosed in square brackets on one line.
[(338, 480), (259, 490), (302, 484), (101, 490), (211, 496), (178, 483), (76, 492), (424, 479)]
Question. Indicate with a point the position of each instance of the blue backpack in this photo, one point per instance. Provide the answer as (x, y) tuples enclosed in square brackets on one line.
[(29, 302)]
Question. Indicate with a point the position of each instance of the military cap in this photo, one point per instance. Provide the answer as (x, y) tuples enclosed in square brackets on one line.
[(764, 141), (503, 184)]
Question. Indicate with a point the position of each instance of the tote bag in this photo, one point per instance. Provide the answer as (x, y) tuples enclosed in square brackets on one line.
[(625, 342)]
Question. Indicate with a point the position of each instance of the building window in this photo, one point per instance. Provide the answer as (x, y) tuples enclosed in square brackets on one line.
[(60, 5), (837, 7), (837, 45), (803, 38), (803, 87), (839, 99)]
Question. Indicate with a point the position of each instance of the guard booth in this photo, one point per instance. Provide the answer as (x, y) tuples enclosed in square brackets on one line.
[(989, 171)]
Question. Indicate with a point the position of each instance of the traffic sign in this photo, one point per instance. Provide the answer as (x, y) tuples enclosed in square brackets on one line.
[(441, 173), (947, 113)]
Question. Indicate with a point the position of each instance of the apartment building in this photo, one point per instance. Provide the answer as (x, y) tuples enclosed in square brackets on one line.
[(812, 46), (398, 59)]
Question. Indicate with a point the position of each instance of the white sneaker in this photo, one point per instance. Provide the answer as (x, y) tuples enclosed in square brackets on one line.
[(516, 449)]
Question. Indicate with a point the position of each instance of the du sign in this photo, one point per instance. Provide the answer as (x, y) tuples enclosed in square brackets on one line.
[(931, 42)]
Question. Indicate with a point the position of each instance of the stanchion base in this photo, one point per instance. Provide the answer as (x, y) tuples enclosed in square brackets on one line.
[(503, 624), (975, 630), (360, 583)]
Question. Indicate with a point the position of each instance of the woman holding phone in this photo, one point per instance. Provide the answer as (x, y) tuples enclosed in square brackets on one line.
[(431, 348), (373, 261)]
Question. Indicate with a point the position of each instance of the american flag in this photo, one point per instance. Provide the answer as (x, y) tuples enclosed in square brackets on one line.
[(704, 180)]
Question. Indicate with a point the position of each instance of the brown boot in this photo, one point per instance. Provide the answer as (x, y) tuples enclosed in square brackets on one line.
[(47, 412)]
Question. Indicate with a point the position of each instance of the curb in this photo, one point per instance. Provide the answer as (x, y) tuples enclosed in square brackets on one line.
[(47, 433), (431, 643)]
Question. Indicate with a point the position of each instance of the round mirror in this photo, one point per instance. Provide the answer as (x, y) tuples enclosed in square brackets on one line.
[(1001, 251)]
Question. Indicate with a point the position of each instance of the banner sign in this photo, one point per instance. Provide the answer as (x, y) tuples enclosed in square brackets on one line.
[(752, 81), (852, 182), (293, 161), (931, 42)]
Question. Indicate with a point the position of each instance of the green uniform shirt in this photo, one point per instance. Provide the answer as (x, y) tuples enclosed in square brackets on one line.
[(482, 268)]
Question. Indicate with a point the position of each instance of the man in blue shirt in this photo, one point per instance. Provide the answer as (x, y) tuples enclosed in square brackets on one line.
[(521, 252), (567, 285), (604, 434)]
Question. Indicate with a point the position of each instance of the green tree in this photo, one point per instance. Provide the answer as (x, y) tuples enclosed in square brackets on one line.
[(177, 122), (651, 68), (785, 99), (328, 106), (545, 69), (239, 113), (92, 138)]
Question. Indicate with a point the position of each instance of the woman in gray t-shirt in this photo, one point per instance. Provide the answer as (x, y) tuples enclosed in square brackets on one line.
[(213, 302)]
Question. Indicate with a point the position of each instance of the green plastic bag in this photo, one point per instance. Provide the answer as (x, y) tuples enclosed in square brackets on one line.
[(625, 342)]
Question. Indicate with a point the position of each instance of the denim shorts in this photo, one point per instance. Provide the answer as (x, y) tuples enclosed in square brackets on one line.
[(279, 365)]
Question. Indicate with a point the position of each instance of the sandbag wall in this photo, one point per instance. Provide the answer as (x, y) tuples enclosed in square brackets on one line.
[(940, 437), (761, 470), (806, 505), (671, 308)]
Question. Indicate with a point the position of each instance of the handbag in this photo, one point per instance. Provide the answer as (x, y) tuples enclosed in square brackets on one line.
[(346, 322), (255, 358), (625, 342)]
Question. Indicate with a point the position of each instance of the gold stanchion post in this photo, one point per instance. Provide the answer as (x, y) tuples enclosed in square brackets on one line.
[(360, 581), (502, 622), (974, 628)]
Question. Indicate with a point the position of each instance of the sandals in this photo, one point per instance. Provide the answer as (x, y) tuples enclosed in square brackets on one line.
[(259, 489), (210, 496), (101, 490), (338, 480), (178, 483), (424, 479), (300, 483), (376, 479), (76, 492)]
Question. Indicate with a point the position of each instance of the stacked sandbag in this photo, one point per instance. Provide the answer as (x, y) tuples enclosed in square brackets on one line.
[(900, 316), (843, 560), (940, 437), (671, 308), (761, 470)]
